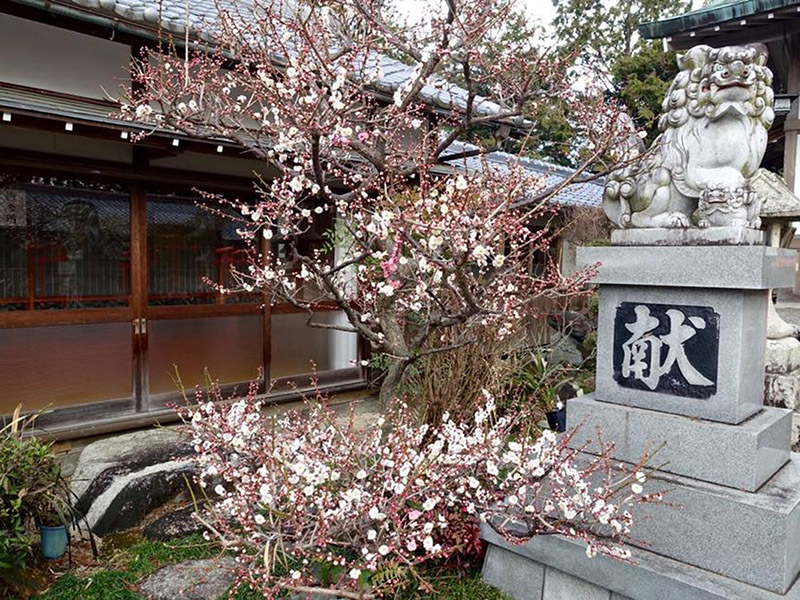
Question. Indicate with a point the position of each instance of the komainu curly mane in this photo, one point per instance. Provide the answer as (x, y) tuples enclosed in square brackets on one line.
[(714, 126)]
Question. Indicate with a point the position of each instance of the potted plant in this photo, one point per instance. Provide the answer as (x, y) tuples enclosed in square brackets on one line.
[(53, 519), (549, 385), (33, 493)]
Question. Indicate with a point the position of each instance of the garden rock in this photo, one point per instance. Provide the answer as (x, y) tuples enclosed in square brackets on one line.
[(176, 524), (191, 580), (571, 323), (564, 350), (119, 480)]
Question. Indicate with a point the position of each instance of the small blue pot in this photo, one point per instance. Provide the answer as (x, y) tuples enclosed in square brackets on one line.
[(54, 541), (557, 420)]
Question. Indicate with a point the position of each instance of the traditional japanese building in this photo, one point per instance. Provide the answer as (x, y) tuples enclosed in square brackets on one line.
[(104, 252)]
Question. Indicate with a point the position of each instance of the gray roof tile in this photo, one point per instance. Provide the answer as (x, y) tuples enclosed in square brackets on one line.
[(202, 14), (581, 193)]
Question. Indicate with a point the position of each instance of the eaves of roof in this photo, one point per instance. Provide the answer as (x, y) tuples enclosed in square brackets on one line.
[(95, 112), (43, 104), (155, 19), (710, 16)]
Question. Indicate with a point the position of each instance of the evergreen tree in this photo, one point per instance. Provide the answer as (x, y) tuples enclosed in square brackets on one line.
[(603, 33)]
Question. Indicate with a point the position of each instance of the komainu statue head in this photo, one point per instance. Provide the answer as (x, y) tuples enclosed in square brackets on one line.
[(714, 126)]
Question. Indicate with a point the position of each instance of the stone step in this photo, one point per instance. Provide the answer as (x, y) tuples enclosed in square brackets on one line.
[(191, 580), (531, 571), (750, 537), (741, 456)]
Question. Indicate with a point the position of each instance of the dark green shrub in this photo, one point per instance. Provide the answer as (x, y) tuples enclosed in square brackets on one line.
[(32, 490)]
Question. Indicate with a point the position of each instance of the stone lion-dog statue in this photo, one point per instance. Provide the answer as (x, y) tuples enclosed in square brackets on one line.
[(714, 126)]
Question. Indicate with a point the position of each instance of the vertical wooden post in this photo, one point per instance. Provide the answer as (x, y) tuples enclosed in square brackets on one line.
[(139, 294), (792, 125), (31, 257)]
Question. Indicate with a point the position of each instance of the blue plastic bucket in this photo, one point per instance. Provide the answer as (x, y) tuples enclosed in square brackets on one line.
[(54, 541), (557, 420)]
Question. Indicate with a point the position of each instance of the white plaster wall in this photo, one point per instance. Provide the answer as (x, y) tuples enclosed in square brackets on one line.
[(568, 258), (294, 344), (343, 350), (50, 58)]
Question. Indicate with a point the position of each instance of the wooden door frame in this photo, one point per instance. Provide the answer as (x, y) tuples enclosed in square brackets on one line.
[(139, 295), (104, 416)]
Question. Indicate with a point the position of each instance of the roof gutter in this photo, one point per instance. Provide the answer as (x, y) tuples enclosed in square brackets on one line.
[(91, 17)]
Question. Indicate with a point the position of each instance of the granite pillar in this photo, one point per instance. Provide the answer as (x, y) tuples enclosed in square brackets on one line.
[(680, 367)]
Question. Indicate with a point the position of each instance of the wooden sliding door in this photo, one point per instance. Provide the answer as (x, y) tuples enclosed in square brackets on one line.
[(65, 296), (196, 330), (115, 299)]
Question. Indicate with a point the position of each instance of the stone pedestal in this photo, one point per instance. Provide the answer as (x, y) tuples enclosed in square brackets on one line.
[(680, 367), (716, 296), (741, 456)]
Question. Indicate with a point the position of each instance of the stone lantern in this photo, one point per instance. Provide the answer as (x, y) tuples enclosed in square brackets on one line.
[(779, 210)]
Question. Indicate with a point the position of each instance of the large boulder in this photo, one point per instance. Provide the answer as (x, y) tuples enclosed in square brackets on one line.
[(176, 524), (119, 480), (191, 580), (571, 323)]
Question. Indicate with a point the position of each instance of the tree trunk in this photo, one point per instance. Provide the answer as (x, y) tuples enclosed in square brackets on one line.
[(390, 384), (394, 346)]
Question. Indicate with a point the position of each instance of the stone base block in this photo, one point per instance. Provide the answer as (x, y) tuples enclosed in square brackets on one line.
[(682, 329), (740, 456), (523, 572), (726, 267), (689, 236), (751, 537)]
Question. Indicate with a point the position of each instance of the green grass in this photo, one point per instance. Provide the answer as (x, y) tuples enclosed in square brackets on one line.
[(461, 585), (469, 588), (129, 557), (105, 585)]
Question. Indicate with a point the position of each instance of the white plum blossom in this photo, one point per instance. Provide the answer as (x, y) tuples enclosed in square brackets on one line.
[(301, 483), (143, 111), (479, 253)]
